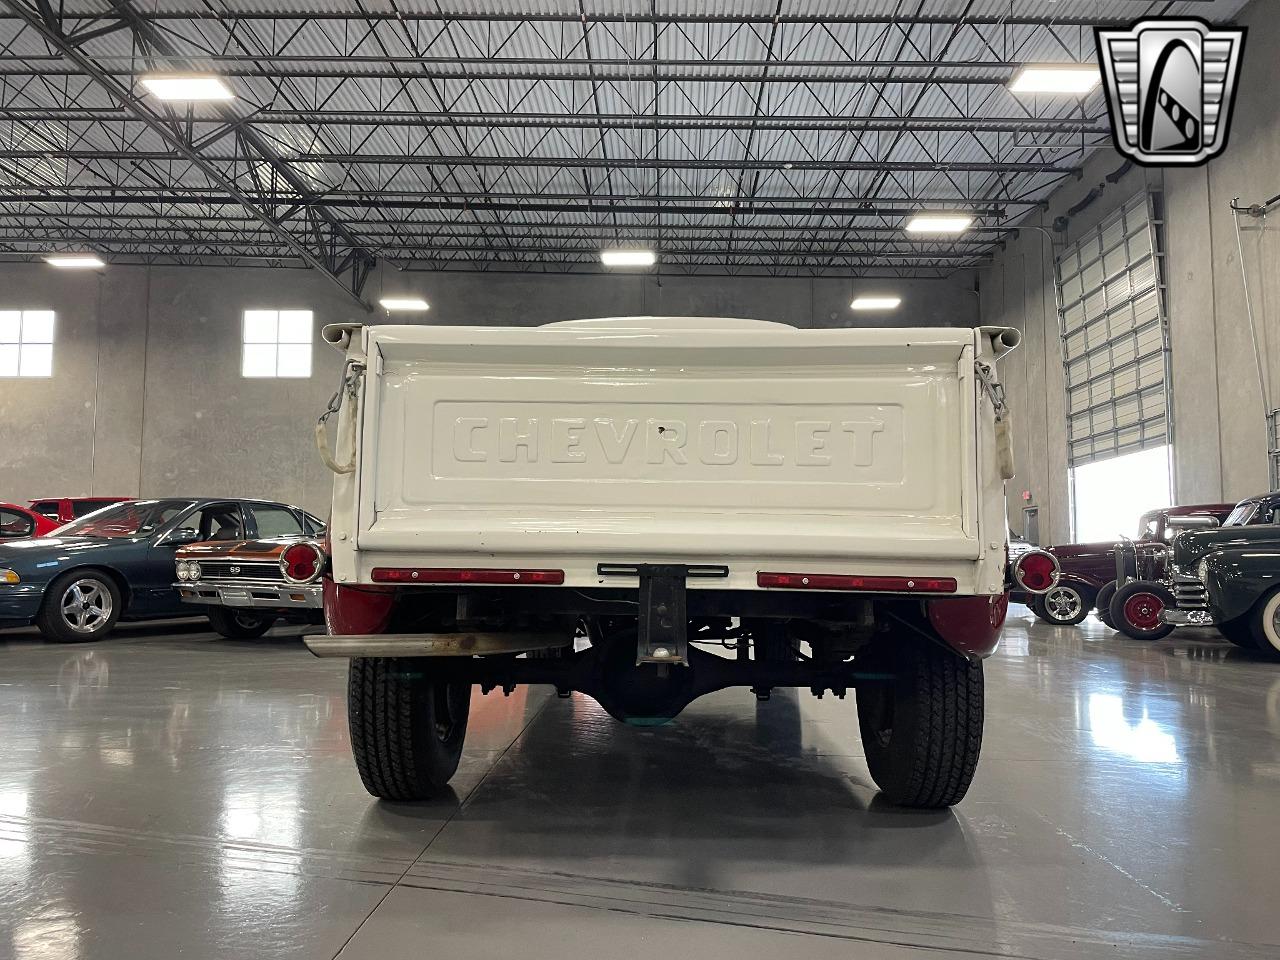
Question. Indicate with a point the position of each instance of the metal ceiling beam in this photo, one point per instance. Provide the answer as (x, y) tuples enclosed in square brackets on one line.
[(797, 63), (708, 72), (614, 121), (325, 262), (706, 257), (367, 228), (759, 207), (525, 267), (634, 163), (857, 205), (444, 240), (300, 12), (337, 248)]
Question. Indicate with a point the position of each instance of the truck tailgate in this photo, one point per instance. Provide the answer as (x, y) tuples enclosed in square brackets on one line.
[(619, 444)]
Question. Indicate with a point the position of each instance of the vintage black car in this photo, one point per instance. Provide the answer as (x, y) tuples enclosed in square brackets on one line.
[(117, 563), (1230, 578)]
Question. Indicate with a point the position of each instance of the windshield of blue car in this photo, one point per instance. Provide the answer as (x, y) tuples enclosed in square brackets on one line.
[(1241, 515), (138, 518)]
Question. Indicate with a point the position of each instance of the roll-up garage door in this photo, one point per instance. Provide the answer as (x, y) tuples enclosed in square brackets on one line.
[(1115, 342)]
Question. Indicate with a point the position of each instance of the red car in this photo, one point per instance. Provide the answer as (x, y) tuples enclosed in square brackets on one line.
[(19, 523), (65, 509), (1089, 569)]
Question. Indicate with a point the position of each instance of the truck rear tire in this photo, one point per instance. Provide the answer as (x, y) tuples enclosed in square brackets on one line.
[(406, 729), (922, 731)]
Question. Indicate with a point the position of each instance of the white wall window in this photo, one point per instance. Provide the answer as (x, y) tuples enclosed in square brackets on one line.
[(26, 343), (1110, 496), (276, 343)]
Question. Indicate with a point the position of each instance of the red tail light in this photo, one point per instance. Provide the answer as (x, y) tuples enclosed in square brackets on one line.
[(1036, 571), (302, 562), (465, 575), (835, 581)]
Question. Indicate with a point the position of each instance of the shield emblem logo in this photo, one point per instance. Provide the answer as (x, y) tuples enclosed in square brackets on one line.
[(1170, 87)]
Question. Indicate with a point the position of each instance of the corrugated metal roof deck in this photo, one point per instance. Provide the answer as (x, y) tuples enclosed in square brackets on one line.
[(523, 131)]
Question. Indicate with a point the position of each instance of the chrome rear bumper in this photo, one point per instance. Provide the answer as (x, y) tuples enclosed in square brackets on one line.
[(252, 593), (431, 644)]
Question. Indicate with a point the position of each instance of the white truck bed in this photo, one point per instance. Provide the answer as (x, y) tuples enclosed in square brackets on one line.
[(751, 444)]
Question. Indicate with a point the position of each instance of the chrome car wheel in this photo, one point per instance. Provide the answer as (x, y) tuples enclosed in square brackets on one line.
[(1063, 604), (86, 606)]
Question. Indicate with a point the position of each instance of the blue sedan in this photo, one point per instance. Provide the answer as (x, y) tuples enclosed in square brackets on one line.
[(75, 584)]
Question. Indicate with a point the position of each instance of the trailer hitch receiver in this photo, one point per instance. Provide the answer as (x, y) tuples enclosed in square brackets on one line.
[(663, 635)]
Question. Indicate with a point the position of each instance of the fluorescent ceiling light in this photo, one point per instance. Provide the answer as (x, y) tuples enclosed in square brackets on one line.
[(1068, 78), (188, 86), (875, 303), (404, 303), (627, 258), (926, 222), (75, 261)]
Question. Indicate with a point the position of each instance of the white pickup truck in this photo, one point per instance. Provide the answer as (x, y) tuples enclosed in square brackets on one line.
[(649, 509)]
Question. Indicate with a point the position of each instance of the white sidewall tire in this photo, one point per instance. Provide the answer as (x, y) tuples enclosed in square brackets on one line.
[(1266, 631)]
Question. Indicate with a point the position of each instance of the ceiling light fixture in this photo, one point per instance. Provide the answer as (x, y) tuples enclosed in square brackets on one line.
[(187, 86), (75, 261), (875, 303), (1066, 78), (404, 304), (627, 258), (939, 222)]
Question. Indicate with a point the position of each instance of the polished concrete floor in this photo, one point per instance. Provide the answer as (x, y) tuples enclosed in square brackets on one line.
[(170, 794)]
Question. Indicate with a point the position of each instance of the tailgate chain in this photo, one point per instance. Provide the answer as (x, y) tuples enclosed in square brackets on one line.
[(993, 389), (352, 371)]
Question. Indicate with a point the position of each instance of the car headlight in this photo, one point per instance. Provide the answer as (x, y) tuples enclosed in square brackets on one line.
[(9, 576), (193, 570), (1202, 570), (184, 570)]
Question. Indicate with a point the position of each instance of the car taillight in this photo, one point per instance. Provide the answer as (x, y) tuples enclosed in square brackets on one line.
[(835, 581), (1036, 571), (302, 562), (464, 575)]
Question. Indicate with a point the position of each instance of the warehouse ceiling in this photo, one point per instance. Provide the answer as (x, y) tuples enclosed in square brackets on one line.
[(790, 137)]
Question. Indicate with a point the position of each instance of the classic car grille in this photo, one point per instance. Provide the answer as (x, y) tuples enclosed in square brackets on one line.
[(239, 570), (1190, 593)]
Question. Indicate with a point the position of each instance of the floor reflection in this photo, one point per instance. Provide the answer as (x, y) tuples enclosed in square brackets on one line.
[(1141, 739), (174, 794)]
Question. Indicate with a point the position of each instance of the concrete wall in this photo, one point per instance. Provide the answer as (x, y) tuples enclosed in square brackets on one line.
[(1218, 423), (147, 398)]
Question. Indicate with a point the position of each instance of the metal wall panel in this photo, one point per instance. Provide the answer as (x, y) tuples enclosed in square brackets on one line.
[(1115, 336)]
